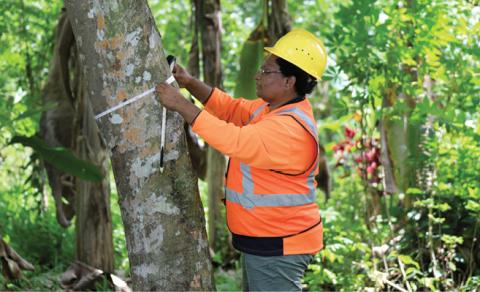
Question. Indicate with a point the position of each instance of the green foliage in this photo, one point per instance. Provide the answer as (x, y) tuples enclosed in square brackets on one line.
[(251, 58), (238, 20), (422, 57), (61, 158), (119, 243), (372, 46), (345, 260), (228, 280), (38, 280), (35, 235), (27, 218), (26, 35), (173, 23), (40, 238)]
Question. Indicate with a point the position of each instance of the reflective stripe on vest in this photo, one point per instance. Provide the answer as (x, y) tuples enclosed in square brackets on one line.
[(249, 200), (256, 112), (311, 125), (304, 118)]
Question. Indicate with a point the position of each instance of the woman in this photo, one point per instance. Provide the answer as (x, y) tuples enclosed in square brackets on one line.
[(273, 150)]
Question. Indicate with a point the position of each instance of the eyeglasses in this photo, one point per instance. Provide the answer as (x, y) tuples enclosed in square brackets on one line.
[(265, 72)]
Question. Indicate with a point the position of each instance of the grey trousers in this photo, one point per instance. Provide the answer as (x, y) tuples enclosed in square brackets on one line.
[(274, 273)]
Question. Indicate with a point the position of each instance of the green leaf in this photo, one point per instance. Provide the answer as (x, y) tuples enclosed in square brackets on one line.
[(334, 124), (452, 239), (33, 111), (217, 258), (331, 275), (411, 271), (407, 260), (452, 266), (427, 203), (473, 193), (444, 187), (61, 158), (429, 282), (473, 206), (414, 191), (442, 207), (251, 59), (436, 220), (329, 255)]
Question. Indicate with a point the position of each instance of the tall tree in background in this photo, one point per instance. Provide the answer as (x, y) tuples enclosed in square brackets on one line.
[(414, 75), (279, 21), (122, 55), (274, 23), (70, 125), (210, 31), (198, 152), (401, 135)]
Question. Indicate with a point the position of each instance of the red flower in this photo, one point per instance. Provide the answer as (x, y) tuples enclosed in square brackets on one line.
[(372, 167), (350, 133), (371, 155)]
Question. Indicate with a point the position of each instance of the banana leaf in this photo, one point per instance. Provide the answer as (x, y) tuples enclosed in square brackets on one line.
[(251, 58)]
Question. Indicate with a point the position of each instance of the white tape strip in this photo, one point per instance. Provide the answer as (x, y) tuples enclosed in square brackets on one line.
[(133, 99)]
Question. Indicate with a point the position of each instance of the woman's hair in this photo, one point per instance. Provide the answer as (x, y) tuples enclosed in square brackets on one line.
[(304, 84)]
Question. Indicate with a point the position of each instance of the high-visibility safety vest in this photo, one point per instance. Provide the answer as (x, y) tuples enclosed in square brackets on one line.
[(270, 212)]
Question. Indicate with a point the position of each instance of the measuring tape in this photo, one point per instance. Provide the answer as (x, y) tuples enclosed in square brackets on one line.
[(133, 99), (171, 63)]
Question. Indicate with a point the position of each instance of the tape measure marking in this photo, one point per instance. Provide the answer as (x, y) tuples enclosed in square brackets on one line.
[(130, 100)]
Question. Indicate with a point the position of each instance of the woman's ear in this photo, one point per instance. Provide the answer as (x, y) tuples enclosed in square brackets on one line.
[(290, 82)]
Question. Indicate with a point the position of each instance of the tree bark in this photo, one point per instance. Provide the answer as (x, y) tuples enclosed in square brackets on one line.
[(94, 220), (198, 152), (210, 26), (68, 126), (403, 137), (57, 124), (122, 56), (279, 22)]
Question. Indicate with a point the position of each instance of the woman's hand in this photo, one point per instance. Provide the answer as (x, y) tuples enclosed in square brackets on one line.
[(169, 96), (182, 76), (197, 88)]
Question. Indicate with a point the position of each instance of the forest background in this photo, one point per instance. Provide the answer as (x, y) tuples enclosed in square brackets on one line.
[(398, 116)]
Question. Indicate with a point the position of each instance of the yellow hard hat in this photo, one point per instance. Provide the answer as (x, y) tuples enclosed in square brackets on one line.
[(302, 49)]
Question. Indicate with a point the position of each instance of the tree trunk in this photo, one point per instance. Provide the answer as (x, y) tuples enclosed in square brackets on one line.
[(279, 22), (122, 56), (198, 152), (94, 219), (403, 138), (210, 26), (57, 124), (67, 126)]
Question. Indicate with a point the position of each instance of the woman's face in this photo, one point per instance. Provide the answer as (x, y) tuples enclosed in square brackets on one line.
[(270, 81)]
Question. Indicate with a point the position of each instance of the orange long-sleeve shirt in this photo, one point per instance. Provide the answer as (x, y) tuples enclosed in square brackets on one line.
[(269, 141)]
